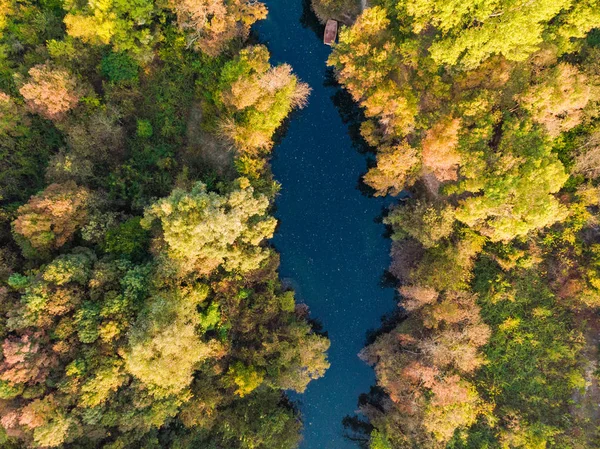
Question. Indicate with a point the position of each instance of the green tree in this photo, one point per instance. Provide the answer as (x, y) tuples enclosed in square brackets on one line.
[(203, 230), (164, 347), (426, 222), (257, 98), (469, 33), (119, 67), (126, 25), (129, 239), (516, 189)]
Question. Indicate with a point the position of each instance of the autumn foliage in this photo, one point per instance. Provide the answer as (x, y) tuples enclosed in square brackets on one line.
[(424, 365), (439, 150), (395, 169), (51, 218), (212, 24), (486, 115), (140, 300), (50, 92)]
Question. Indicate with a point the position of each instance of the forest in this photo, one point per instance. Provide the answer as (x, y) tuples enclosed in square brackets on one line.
[(485, 114), (140, 301), (141, 304)]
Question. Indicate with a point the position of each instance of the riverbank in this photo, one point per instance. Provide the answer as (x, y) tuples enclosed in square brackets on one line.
[(331, 241)]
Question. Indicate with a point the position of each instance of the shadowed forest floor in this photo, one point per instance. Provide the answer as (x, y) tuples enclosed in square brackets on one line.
[(206, 149)]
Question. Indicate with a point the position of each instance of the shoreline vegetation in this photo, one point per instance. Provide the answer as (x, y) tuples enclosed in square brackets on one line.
[(140, 300), (487, 114), (141, 305)]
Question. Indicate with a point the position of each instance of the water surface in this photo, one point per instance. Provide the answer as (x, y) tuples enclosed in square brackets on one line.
[(332, 247)]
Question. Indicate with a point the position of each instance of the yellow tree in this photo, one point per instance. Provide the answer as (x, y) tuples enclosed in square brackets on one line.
[(164, 345), (203, 230), (212, 24), (394, 169), (126, 25)]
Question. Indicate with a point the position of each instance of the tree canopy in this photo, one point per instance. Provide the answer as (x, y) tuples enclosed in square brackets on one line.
[(140, 300), (484, 115)]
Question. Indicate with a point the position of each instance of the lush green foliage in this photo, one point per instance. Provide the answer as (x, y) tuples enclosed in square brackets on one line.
[(140, 304), (488, 112)]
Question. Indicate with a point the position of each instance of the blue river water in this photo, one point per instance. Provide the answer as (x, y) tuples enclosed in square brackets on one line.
[(332, 244)]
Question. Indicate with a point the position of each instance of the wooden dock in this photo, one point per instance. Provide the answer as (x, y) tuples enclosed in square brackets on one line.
[(331, 30)]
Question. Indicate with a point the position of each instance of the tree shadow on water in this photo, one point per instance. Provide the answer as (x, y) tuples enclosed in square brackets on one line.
[(309, 20), (350, 112), (281, 132), (388, 323), (357, 428)]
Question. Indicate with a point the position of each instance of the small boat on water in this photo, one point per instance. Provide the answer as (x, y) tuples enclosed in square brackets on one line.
[(331, 30)]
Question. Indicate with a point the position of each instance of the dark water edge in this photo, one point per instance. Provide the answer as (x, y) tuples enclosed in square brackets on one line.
[(330, 237)]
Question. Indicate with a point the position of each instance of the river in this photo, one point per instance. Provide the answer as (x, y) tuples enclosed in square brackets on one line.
[(332, 245)]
